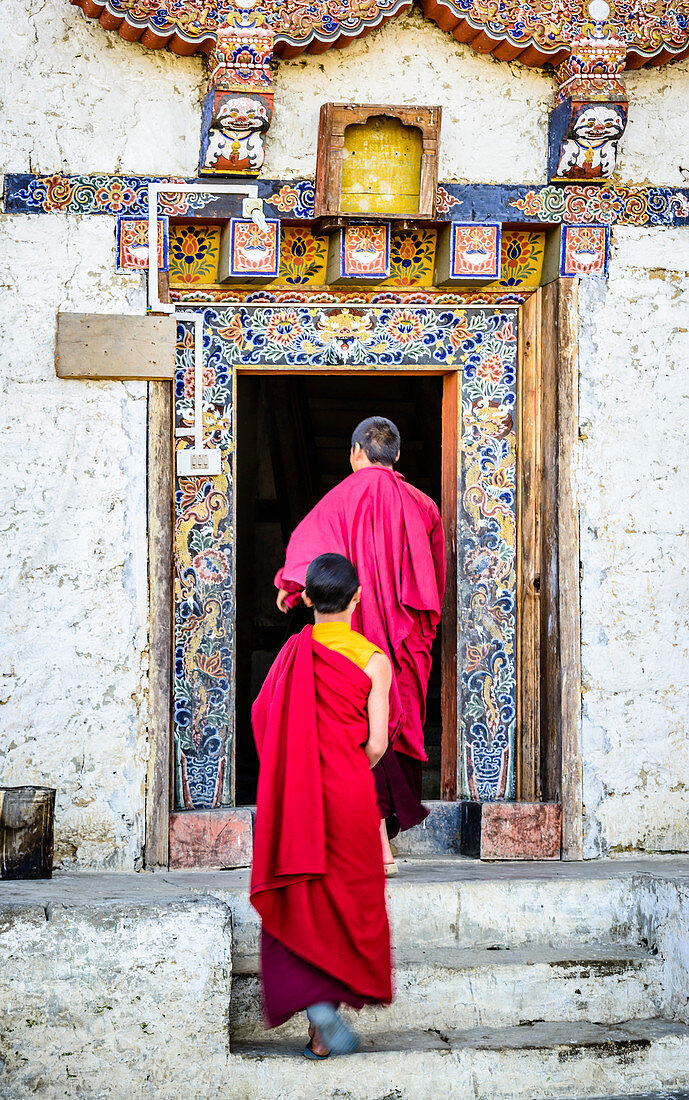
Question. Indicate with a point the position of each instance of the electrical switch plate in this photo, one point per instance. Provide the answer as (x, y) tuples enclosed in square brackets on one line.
[(193, 463)]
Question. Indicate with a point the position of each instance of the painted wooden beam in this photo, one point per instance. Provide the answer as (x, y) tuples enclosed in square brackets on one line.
[(92, 345)]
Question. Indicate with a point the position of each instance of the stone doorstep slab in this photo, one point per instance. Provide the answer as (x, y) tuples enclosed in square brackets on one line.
[(212, 839), (548, 1061), (467, 988), (510, 830), (223, 838)]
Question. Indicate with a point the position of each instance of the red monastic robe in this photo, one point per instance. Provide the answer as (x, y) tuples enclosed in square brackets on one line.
[(393, 535), (317, 877)]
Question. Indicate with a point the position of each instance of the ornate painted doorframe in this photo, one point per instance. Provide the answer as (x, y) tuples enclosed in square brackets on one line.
[(478, 344), (388, 339)]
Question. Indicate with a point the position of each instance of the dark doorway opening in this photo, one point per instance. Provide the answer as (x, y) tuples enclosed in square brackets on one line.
[(293, 438)]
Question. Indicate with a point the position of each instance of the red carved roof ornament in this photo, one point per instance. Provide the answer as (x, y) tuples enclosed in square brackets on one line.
[(537, 32)]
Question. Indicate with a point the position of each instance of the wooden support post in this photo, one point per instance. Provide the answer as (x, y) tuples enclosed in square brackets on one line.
[(160, 464), (449, 640), (549, 628), (529, 490), (569, 570), (551, 747)]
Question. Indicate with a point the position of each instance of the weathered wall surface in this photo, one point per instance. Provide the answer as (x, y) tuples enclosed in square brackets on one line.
[(73, 611), (634, 420), (73, 604), (653, 149), (494, 127), (79, 99), (113, 998)]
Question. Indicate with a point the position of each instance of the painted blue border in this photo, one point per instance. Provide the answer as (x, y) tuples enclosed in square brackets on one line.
[(374, 278), (520, 204), (564, 273), (480, 278), (262, 276), (162, 220)]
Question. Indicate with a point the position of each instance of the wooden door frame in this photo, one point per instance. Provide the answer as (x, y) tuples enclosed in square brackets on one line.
[(548, 605), (160, 482), (549, 696)]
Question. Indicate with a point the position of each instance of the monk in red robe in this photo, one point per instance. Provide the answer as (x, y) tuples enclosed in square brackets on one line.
[(393, 534), (321, 723)]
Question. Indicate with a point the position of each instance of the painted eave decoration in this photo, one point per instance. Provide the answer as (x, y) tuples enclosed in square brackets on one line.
[(534, 31)]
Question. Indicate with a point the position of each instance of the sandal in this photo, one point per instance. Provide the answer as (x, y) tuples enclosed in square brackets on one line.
[(391, 869), (309, 1052), (334, 1032)]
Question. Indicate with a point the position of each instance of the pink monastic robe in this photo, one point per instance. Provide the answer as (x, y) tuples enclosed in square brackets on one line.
[(393, 535)]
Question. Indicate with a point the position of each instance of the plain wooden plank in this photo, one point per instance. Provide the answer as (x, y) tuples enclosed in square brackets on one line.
[(529, 482), (160, 458), (449, 639), (551, 749), (93, 345), (569, 569)]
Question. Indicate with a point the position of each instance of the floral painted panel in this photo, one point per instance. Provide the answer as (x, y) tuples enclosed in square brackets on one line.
[(203, 682), (194, 251), (521, 259), (481, 343), (412, 257), (303, 257)]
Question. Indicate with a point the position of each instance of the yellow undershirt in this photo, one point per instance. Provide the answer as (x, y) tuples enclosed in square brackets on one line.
[(340, 637)]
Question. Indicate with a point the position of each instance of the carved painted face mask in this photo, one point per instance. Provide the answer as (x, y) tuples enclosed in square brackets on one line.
[(598, 124)]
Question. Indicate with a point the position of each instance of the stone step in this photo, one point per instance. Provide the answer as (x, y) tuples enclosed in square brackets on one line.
[(676, 1094), (547, 1060), (460, 989), (438, 902)]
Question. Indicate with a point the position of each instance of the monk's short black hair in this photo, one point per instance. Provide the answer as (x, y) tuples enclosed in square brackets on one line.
[(379, 439), (331, 581)]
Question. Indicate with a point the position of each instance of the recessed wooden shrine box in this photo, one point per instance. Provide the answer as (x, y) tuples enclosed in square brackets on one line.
[(510, 830), (467, 254), (377, 159)]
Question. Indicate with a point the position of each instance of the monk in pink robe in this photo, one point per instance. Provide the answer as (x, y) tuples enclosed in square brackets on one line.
[(393, 535)]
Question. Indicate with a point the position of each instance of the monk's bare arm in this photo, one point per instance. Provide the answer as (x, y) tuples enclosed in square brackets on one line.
[(378, 668)]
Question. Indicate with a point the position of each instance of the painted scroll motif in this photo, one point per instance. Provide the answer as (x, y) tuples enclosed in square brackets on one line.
[(203, 683), (487, 557)]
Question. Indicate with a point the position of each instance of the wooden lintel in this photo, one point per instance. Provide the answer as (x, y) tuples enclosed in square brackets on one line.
[(116, 346)]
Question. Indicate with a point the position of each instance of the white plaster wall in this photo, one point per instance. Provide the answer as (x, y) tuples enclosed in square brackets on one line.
[(76, 98), (634, 422), (73, 568), (73, 633), (655, 146), (494, 127)]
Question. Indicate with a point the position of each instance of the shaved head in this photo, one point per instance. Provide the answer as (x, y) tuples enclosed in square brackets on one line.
[(379, 439)]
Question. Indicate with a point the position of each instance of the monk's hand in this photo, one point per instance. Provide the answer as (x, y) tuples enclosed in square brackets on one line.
[(282, 600)]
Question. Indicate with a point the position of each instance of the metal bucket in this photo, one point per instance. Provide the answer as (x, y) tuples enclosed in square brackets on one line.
[(26, 832)]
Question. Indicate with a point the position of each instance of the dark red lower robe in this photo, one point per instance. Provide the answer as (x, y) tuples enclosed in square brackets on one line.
[(317, 877)]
